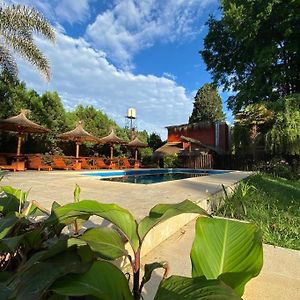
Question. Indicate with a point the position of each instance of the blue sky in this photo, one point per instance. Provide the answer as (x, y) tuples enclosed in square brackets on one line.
[(126, 53)]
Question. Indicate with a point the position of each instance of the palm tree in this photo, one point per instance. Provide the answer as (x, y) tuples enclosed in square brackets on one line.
[(18, 23)]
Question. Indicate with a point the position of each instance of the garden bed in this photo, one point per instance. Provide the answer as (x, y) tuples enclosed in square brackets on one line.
[(270, 202)]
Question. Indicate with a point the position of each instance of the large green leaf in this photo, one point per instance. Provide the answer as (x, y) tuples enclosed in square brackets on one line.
[(7, 223), (148, 270), (115, 214), (227, 249), (5, 292), (163, 212), (53, 249), (35, 281), (12, 199), (199, 288), (105, 241), (10, 244), (103, 280)]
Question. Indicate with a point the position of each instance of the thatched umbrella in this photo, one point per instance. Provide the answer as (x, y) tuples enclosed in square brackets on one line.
[(112, 139), (135, 144), (78, 135), (21, 125)]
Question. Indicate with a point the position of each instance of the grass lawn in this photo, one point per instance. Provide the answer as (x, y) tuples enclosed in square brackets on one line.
[(270, 202)]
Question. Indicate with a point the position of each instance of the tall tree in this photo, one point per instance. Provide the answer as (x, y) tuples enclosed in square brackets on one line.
[(97, 123), (154, 141), (253, 119), (207, 105), (18, 23), (284, 136), (254, 50), (46, 110)]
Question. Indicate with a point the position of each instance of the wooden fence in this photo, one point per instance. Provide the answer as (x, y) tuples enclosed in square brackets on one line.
[(200, 161)]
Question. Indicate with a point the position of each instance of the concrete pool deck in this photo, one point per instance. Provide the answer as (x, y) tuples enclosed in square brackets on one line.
[(47, 187)]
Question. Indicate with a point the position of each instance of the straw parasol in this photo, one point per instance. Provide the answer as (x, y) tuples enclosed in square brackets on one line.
[(78, 135), (111, 140), (21, 125), (135, 144)]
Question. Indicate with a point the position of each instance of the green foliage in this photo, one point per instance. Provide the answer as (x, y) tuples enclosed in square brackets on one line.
[(171, 161), (57, 264), (280, 168), (149, 161), (273, 205), (228, 260), (207, 105), (178, 288), (240, 139), (154, 141), (111, 284), (250, 126), (284, 136), (253, 50), (18, 24), (48, 111), (253, 114), (234, 205), (95, 122)]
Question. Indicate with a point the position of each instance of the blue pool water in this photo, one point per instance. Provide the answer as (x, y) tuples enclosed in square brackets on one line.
[(153, 178), (149, 176)]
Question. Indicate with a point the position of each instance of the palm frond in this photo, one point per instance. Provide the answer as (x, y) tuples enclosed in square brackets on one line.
[(18, 23), (7, 62), (21, 18), (27, 49)]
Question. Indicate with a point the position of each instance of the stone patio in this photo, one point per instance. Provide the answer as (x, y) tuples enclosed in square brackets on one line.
[(46, 187)]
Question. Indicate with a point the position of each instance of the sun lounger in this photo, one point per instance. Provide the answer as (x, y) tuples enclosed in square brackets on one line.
[(5, 166), (125, 164), (60, 163), (137, 164), (100, 164), (85, 164), (36, 162)]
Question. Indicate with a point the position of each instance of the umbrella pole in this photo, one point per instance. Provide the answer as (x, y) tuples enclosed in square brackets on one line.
[(77, 164), (77, 151), (136, 154), (111, 152), (19, 146)]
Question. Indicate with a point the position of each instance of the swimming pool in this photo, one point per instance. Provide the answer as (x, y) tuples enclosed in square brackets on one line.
[(148, 176)]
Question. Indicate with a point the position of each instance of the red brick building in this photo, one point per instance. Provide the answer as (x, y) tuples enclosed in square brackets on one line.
[(197, 143)]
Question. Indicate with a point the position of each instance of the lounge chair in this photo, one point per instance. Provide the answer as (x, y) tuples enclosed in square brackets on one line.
[(113, 164), (100, 164), (36, 162), (60, 163), (5, 166), (125, 164), (137, 164), (85, 164)]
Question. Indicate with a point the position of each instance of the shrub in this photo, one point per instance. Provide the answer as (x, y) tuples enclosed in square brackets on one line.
[(280, 168), (171, 161)]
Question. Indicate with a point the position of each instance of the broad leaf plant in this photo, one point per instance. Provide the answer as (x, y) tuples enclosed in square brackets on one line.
[(50, 255)]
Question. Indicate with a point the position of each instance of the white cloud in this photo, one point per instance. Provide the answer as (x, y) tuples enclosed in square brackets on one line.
[(130, 26), (82, 75), (72, 11), (169, 75)]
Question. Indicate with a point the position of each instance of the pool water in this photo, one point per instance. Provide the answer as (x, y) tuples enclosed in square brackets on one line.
[(153, 178)]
